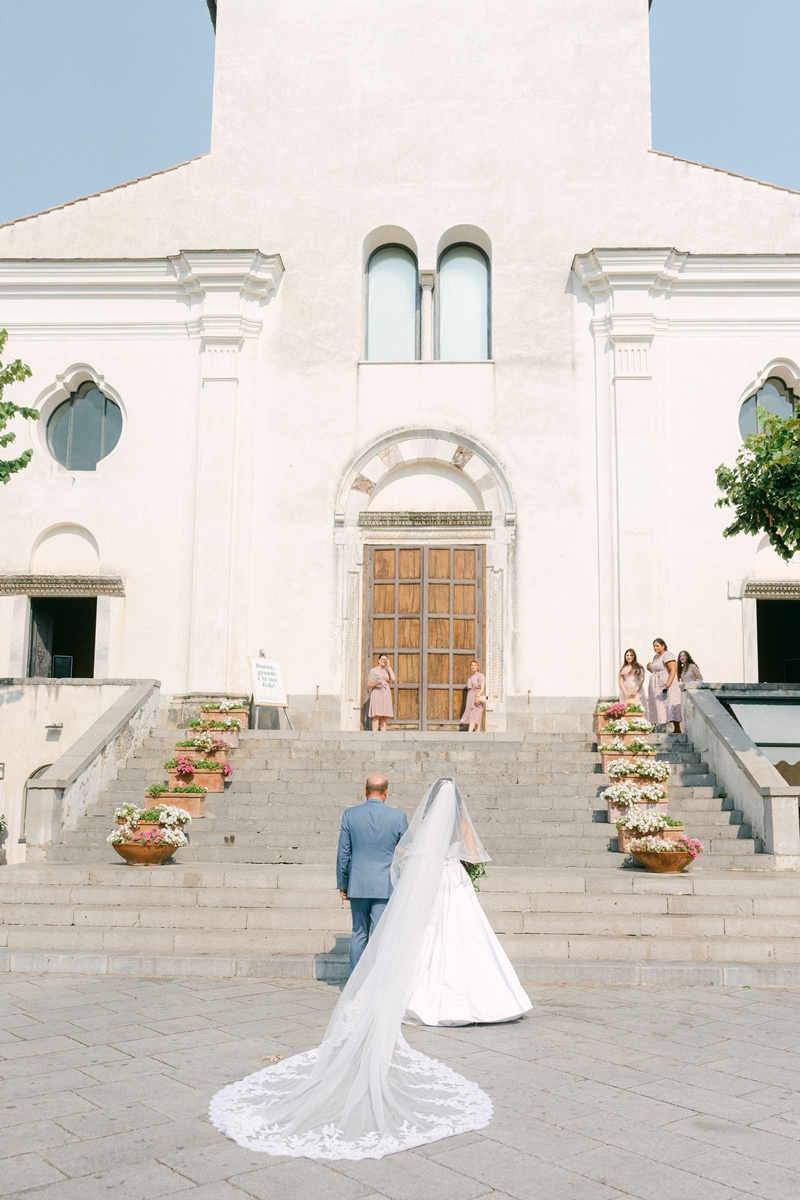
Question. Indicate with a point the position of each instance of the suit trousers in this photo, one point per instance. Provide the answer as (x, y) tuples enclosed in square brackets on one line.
[(365, 914)]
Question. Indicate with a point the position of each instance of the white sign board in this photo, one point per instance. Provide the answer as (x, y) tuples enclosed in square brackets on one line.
[(267, 683)]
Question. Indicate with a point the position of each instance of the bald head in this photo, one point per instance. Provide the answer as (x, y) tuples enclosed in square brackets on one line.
[(376, 787)]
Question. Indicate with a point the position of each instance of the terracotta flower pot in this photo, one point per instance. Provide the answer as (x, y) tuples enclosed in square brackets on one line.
[(603, 739), (641, 781), (213, 781), (600, 719), (618, 756), (229, 736), (237, 714), (220, 755), (143, 856), (194, 803), (626, 836), (617, 811), (666, 862)]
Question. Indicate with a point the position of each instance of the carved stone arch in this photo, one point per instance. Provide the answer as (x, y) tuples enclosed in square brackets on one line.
[(492, 523), (458, 451), (61, 389), (65, 548)]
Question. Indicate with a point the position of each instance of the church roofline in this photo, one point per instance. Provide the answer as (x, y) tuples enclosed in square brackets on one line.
[(104, 192), (778, 187)]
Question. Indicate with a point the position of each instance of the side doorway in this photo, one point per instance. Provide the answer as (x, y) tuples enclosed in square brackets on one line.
[(425, 609), (778, 624), (63, 634)]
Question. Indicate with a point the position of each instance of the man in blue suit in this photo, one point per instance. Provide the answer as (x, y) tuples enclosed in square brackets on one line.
[(368, 836)]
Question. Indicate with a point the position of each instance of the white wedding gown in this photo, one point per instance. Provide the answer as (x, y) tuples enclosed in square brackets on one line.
[(364, 1092), (463, 975)]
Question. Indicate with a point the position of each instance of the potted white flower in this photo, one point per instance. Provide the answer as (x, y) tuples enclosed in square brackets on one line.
[(637, 823), (622, 796), (148, 837)]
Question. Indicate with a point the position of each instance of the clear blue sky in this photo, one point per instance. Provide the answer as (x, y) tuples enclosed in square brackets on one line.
[(94, 92)]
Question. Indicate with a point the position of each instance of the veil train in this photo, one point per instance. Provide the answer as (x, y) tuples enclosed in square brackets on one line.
[(364, 1092)]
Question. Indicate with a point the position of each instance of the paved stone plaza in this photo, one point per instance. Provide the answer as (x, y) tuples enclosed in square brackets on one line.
[(686, 1093)]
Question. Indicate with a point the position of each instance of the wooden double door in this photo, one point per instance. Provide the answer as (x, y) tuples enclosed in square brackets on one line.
[(425, 610)]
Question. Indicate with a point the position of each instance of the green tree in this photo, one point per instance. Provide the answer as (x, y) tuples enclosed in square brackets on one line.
[(14, 372), (763, 488)]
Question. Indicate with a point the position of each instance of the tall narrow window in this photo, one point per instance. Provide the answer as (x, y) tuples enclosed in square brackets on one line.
[(392, 305), (463, 304), (84, 429), (775, 397)]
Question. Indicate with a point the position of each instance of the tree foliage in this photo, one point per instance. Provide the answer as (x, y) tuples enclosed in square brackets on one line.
[(13, 372), (763, 488)]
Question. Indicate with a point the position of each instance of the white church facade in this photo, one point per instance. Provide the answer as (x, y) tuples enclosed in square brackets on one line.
[(431, 355)]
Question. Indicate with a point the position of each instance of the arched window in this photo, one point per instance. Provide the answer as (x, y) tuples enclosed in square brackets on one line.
[(463, 304), (392, 305), (84, 429), (775, 397)]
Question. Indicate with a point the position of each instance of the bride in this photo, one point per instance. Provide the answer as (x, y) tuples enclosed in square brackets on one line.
[(364, 1092)]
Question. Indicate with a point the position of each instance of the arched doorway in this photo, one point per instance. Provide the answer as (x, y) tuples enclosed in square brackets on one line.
[(424, 523)]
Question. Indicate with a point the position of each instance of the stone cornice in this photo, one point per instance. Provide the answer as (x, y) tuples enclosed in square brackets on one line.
[(656, 272), (61, 585), (190, 275)]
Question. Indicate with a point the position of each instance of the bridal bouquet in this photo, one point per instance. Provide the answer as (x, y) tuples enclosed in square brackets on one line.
[(475, 871)]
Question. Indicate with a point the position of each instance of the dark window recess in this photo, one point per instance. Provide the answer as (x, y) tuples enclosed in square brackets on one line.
[(778, 641), (62, 630), (84, 429)]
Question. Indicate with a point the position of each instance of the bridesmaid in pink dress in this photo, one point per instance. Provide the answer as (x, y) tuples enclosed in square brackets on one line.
[(476, 698), (631, 680), (664, 696), (380, 699)]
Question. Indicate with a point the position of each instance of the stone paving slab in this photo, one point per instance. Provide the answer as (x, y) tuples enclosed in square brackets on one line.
[(600, 1093)]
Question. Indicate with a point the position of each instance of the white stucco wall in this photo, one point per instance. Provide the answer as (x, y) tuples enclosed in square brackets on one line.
[(244, 413)]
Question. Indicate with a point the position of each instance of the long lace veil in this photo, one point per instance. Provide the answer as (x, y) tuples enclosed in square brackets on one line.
[(364, 1092)]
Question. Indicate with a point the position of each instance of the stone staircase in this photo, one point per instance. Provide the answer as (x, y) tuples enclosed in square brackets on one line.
[(254, 893), (533, 797)]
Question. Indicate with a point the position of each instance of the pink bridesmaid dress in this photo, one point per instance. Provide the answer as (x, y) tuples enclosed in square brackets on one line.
[(473, 712), (663, 708), (380, 698)]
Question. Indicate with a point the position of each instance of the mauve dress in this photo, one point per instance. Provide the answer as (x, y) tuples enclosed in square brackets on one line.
[(660, 708), (380, 698), (631, 680), (473, 713)]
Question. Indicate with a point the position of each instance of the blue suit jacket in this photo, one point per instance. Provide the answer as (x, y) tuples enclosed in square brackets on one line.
[(369, 834)]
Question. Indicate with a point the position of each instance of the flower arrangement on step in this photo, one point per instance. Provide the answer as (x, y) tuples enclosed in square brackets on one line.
[(226, 729), (638, 823), (614, 711), (204, 745), (209, 772), (658, 772), (622, 796), (635, 747), (665, 855), (192, 796), (625, 728), (149, 836), (224, 709)]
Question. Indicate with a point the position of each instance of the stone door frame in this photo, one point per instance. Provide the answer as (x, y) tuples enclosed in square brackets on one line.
[(494, 527)]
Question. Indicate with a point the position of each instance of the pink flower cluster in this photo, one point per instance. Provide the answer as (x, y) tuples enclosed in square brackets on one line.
[(227, 770), (691, 845), (184, 765), (615, 711)]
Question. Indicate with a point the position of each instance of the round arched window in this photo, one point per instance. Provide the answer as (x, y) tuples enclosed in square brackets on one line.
[(84, 429), (775, 397)]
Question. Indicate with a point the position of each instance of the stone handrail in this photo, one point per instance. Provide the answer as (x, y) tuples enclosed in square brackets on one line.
[(768, 802), (63, 793)]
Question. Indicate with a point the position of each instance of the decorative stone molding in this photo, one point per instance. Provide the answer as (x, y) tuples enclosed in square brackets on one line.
[(61, 585), (353, 638), (632, 357), (494, 634), (377, 520), (772, 589)]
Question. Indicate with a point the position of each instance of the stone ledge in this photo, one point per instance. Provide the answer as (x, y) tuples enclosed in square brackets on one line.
[(333, 968)]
